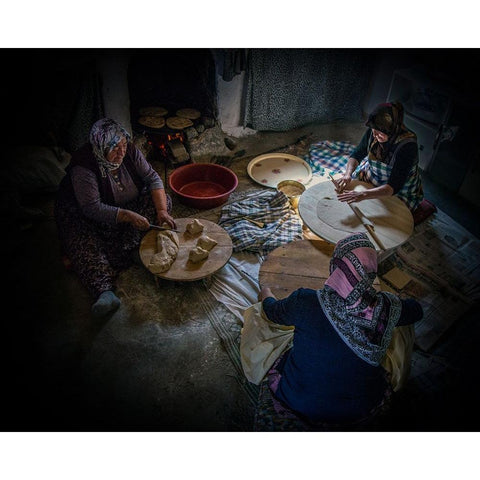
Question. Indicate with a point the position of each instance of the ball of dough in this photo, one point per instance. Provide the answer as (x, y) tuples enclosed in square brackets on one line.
[(206, 242), (194, 227), (197, 254)]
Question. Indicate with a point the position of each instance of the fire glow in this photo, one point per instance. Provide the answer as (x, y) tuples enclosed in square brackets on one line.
[(161, 144)]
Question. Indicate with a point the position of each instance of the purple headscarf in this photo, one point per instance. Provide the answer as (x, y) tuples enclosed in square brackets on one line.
[(363, 317), (104, 136)]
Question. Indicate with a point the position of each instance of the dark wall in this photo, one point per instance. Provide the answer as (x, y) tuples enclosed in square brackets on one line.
[(172, 78), (49, 95), (454, 68)]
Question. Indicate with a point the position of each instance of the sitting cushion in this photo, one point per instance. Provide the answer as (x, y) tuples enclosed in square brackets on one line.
[(423, 211)]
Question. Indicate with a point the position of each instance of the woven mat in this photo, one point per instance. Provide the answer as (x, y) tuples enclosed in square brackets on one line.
[(228, 330)]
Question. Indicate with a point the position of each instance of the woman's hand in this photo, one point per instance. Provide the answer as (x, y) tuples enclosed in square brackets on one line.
[(265, 292), (134, 219), (342, 183), (164, 217), (351, 196)]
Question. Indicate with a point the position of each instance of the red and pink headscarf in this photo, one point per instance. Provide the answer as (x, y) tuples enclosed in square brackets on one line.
[(363, 317)]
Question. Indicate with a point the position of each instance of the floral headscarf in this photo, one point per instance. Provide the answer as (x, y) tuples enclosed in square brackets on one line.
[(104, 136), (363, 317), (388, 119)]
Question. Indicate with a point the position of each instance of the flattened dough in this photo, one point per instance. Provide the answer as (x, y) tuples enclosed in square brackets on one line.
[(197, 254), (206, 242)]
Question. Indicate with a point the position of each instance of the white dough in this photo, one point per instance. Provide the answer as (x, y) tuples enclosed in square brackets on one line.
[(206, 242), (160, 262), (197, 254), (194, 227), (167, 249)]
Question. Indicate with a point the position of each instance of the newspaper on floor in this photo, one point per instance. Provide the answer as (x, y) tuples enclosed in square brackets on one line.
[(440, 267)]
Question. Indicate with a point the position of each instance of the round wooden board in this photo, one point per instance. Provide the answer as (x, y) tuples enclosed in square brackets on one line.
[(333, 220), (302, 263), (182, 269)]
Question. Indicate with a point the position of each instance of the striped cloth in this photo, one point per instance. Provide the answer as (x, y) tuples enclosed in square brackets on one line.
[(326, 156), (272, 208)]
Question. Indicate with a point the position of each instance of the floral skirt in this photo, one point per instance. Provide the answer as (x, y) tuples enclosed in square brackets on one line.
[(99, 251)]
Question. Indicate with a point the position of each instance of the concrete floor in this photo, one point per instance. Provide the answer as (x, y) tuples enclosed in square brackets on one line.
[(65, 371)]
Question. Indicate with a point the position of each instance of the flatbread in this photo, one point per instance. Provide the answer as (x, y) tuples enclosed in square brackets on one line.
[(178, 123), (152, 122), (153, 111), (189, 113)]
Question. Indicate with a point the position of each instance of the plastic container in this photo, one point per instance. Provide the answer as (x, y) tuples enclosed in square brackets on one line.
[(203, 185)]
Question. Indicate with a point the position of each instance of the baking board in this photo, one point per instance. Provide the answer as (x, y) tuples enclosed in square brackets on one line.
[(298, 264), (333, 220), (271, 168), (182, 269)]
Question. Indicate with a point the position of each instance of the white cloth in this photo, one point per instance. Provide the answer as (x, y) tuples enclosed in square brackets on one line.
[(398, 358), (261, 343), (236, 284)]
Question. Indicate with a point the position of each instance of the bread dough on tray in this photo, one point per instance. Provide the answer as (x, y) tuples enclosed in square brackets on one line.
[(197, 254), (167, 250), (206, 242), (194, 227)]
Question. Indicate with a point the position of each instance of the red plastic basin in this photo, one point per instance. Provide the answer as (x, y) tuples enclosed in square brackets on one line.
[(203, 185)]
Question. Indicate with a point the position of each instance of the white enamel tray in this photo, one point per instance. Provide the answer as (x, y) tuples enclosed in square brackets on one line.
[(271, 168)]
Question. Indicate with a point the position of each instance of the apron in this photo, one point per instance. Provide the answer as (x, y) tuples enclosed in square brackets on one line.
[(378, 173)]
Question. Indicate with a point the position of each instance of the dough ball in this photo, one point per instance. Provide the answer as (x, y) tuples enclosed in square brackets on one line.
[(206, 242), (194, 227), (197, 254)]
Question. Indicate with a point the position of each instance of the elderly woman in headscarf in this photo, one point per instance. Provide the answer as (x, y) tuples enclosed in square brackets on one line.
[(333, 374), (108, 198), (388, 159)]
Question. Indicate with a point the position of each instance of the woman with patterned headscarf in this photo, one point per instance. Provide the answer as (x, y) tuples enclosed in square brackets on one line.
[(109, 196), (388, 158), (333, 374)]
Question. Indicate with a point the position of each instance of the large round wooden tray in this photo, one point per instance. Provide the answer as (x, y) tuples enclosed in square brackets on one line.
[(302, 263), (333, 220), (182, 269)]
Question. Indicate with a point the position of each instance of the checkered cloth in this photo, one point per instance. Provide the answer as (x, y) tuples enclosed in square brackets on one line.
[(326, 156), (273, 208)]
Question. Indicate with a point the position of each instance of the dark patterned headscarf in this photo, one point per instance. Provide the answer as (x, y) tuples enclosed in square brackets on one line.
[(104, 136), (388, 119), (363, 317)]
